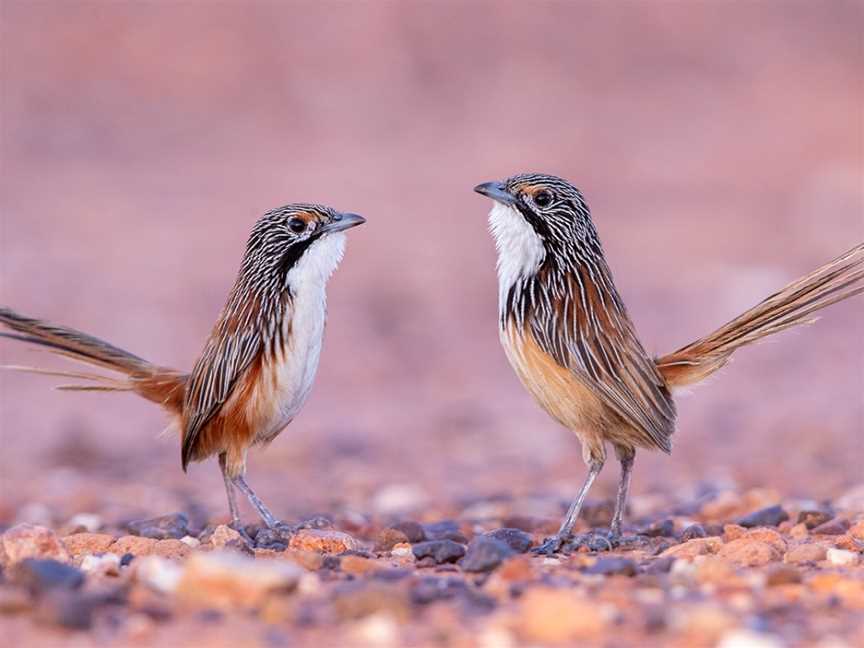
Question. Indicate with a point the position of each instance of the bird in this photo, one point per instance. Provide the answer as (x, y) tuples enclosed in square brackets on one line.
[(567, 335), (259, 362)]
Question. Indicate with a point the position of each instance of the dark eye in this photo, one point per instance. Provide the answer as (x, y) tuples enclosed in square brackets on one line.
[(296, 225), (542, 198)]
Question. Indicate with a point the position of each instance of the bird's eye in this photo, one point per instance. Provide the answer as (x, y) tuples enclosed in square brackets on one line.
[(296, 225), (542, 198)]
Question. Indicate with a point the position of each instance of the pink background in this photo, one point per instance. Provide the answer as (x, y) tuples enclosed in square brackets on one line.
[(719, 145)]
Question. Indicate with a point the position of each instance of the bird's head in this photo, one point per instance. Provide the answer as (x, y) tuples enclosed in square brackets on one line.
[(301, 241), (537, 218)]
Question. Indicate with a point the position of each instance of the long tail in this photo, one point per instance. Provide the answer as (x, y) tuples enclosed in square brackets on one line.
[(795, 304), (157, 384)]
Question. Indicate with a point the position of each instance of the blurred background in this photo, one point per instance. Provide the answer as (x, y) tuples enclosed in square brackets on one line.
[(720, 146)]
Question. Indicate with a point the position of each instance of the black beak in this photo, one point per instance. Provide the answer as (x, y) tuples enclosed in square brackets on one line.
[(343, 221), (495, 191)]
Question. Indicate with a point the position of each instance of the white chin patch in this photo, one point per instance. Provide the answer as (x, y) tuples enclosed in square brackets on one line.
[(320, 260), (520, 249)]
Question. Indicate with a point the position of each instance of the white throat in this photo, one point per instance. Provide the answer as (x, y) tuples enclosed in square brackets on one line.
[(314, 268), (520, 249)]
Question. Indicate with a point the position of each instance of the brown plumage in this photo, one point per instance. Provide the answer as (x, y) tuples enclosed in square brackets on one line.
[(567, 334), (258, 364)]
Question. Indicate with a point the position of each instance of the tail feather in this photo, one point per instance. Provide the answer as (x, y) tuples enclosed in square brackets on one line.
[(794, 305), (157, 384)]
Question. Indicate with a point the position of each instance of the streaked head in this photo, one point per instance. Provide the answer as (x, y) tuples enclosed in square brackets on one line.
[(301, 240), (537, 217)]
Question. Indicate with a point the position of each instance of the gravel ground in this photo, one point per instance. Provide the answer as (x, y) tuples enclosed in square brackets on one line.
[(728, 569)]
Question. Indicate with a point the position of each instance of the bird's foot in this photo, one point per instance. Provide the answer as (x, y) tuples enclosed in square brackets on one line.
[(278, 536), (598, 540), (237, 525), (552, 545)]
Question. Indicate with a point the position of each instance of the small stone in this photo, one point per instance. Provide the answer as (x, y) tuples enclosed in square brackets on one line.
[(733, 532), (805, 553), (29, 541), (837, 526), (104, 565), (441, 551), (191, 541), (749, 553), (842, 557), (171, 549), (323, 541), (224, 537), (770, 536), (662, 529), (484, 554), (40, 575), (848, 542), (445, 530), (812, 519), (227, 580), (135, 545), (389, 538), (517, 539), (358, 565), (87, 543), (782, 575), (414, 531), (613, 566), (84, 522), (403, 551), (770, 516), (857, 530), (693, 548), (693, 531), (173, 526), (159, 574), (556, 616), (799, 532)]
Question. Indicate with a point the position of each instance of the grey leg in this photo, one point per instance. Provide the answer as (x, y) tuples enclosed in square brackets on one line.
[(263, 511), (626, 456), (554, 543), (232, 494)]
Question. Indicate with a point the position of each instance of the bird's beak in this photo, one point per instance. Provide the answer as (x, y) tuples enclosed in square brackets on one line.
[(496, 191), (343, 221)]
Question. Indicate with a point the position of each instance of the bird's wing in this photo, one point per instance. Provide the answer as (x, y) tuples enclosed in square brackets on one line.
[(587, 330), (233, 345)]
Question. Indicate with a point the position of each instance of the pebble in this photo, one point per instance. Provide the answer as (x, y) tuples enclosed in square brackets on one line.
[(484, 554), (158, 573), (413, 531), (228, 580), (87, 543), (857, 530), (445, 530), (172, 549), (39, 575), (662, 529), (613, 566), (805, 553), (693, 531), (323, 541), (135, 545), (556, 616), (389, 538), (812, 519), (695, 547), (842, 557), (837, 526), (173, 526), (770, 516), (104, 565), (224, 537), (85, 522), (517, 539), (30, 541), (748, 552), (441, 551)]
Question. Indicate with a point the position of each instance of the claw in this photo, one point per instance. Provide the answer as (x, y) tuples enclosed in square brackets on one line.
[(550, 546)]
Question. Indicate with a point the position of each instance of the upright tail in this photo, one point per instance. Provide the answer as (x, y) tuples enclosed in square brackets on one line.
[(157, 384), (795, 304)]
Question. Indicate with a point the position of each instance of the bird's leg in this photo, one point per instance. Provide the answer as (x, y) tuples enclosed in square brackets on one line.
[(269, 519), (232, 494), (553, 544), (626, 456)]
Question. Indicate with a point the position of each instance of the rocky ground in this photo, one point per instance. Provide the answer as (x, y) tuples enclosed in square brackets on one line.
[(730, 570)]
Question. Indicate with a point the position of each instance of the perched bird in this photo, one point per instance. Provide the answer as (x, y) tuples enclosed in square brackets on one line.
[(257, 366), (567, 335)]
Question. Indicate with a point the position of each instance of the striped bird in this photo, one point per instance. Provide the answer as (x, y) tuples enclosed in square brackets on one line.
[(567, 335), (257, 366)]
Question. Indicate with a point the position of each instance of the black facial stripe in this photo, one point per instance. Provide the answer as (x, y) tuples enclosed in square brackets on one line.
[(295, 252)]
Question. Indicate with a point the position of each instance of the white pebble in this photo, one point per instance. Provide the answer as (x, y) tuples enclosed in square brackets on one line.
[(842, 557), (107, 564), (190, 541), (749, 639), (158, 573)]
